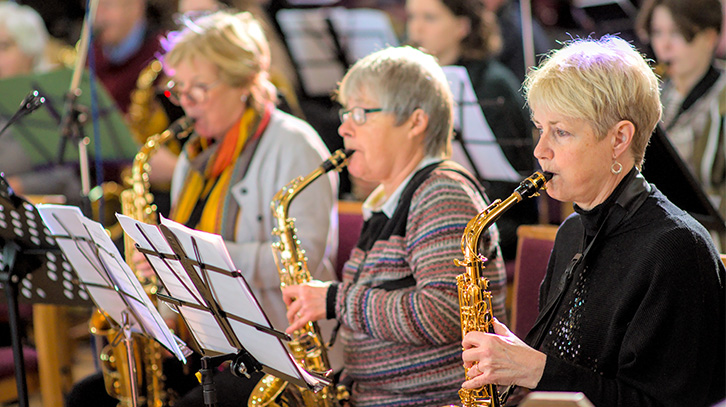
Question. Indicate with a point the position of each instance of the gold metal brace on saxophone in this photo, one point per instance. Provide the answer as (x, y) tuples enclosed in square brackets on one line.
[(307, 345), (475, 300)]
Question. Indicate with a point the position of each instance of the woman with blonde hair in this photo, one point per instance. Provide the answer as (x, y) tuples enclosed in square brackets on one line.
[(632, 304), (242, 151)]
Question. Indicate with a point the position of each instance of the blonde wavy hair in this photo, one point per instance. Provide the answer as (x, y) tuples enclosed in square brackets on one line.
[(235, 43), (601, 82)]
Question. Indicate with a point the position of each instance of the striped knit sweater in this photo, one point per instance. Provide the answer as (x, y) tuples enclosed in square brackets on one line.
[(403, 346)]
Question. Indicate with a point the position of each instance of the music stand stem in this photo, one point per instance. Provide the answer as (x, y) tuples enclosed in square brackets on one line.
[(129, 345), (11, 282)]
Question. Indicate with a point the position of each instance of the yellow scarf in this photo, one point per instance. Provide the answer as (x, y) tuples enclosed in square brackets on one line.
[(214, 182)]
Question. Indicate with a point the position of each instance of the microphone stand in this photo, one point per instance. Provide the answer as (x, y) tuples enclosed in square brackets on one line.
[(31, 102), (74, 117)]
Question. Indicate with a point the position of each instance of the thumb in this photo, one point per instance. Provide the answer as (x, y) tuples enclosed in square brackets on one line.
[(500, 328)]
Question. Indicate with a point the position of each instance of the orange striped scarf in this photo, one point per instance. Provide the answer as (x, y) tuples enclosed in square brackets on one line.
[(214, 182)]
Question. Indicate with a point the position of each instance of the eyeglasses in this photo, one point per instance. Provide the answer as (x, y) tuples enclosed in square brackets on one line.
[(358, 114), (197, 93)]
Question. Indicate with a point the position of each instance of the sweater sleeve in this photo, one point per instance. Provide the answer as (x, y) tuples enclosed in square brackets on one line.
[(674, 338), (427, 313)]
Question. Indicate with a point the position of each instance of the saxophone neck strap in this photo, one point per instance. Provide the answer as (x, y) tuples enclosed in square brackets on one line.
[(631, 198)]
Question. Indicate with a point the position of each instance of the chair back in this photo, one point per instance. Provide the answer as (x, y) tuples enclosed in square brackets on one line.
[(534, 245)]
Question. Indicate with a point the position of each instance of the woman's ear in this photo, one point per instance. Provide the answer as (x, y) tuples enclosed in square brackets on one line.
[(418, 123), (464, 28), (624, 132)]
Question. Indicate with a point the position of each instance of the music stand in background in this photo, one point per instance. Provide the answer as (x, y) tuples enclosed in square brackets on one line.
[(665, 168), (216, 304), (112, 285), (324, 42), (476, 147), (39, 133), (33, 270)]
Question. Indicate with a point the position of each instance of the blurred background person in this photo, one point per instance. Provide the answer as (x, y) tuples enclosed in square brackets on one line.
[(124, 42), (683, 36), (464, 33), (397, 305), (23, 44), (509, 19), (624, 325), (242, 152)]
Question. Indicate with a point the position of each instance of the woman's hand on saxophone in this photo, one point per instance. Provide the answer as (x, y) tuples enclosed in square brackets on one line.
[(305, 303), (500, 358)]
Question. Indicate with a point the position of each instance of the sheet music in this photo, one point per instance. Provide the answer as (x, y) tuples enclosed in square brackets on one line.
[(227, 286), (477, 136), (105, 275), (307, 32)]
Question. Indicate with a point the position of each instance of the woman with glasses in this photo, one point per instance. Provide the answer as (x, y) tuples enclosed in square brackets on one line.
[(242, 152), (397, 304)]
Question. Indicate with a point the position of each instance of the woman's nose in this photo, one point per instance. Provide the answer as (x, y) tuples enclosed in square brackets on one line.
[(542, 149)]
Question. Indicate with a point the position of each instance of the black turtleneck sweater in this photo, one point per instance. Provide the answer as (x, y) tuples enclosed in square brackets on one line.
[(642, 320)]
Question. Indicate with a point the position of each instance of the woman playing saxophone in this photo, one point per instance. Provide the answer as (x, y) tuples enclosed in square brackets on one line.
[(397, 304), (632, 305), (242, 151)]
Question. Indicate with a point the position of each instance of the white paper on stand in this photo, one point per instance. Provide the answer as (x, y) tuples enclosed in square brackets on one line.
[(477, 136), (105, 275), (312, 46), (228, 288)]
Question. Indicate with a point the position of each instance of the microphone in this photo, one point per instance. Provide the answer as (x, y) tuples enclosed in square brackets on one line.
[(31, 102)]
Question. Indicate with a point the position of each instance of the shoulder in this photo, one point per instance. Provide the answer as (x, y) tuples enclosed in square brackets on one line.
[(289, 133), (449, 182)]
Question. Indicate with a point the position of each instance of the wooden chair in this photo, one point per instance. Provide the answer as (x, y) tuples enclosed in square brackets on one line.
[(534, 246), (350, 222)]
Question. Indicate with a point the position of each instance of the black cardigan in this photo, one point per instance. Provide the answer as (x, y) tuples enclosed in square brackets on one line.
[(643, 324)]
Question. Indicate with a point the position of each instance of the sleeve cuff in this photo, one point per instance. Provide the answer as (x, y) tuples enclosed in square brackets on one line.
[(330, 300)]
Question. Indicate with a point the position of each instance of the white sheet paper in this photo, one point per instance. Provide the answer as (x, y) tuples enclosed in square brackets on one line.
[(105, 275), (228, 288), (307, 33), (480, 142)]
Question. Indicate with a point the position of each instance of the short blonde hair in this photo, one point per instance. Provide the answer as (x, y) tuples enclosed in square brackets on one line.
[(235, 43), (601, 82), (404, 79)]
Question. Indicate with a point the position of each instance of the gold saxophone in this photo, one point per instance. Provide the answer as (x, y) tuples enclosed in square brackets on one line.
[(137, 203), (475, 301), (306, 346)]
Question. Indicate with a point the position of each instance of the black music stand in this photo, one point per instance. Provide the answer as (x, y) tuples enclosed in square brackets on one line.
[(112, 285), (216, 304), (665, 168), (324, 42), (33, 270)]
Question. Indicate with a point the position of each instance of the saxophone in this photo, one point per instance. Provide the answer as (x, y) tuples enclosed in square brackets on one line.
[(137, 203), (475, 301), (306, 346)]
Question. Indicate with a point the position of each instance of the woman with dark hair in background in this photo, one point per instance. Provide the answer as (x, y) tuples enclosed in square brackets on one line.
[(683, 35), (463, 32)]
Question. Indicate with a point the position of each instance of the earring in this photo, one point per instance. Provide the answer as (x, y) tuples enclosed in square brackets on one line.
[(244, 97), (616, 168)]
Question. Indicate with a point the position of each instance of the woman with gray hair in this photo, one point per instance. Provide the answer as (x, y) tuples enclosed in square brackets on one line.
[(23, 42), (632, 304), (397, 304)]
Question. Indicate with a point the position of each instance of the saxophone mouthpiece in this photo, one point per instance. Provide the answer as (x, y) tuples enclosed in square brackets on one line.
[(181, 124), (547, 175), (337, 161)]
